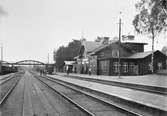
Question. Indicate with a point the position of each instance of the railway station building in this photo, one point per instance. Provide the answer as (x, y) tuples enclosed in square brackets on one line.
[(83, 59), (102, 58)]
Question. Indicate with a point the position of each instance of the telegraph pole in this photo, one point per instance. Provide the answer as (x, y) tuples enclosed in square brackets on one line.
[(119, 59)]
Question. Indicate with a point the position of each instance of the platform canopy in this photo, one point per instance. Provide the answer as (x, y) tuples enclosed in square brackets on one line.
[(69, 62)]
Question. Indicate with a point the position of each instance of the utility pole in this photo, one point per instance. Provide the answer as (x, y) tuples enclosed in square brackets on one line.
[(119, 42)]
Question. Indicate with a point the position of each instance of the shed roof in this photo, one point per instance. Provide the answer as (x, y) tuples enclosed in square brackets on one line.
[(140, 55)]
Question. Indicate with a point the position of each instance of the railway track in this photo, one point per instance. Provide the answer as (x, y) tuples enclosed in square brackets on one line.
[(5, 79), (48, 93), (151, 89), (6, 76), (139, 109), (79, 97), (7, 86), (32, 98)]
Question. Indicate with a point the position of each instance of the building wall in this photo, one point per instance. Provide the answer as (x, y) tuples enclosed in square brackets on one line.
[(79, 66), (159, 63), (131, 66), (104, 66), (137, 47), (112, 52), (107, 57), (93, 64), (128, 67)]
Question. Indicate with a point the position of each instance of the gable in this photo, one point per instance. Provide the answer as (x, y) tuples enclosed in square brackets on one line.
[(159, 53), (112, 51), (91, 45), (88, 47)]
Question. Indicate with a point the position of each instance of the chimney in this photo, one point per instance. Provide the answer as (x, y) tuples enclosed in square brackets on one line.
[(105, 40)]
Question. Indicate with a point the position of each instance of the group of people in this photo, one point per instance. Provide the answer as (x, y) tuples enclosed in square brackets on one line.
[(68, 70), (42, 72)]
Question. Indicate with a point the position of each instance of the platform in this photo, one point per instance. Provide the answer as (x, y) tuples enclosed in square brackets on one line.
[(147, 80), (145, 98)]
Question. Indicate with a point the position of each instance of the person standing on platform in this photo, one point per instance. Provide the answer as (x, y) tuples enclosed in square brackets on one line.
[(41, 72), (90, 71), (67, 70)]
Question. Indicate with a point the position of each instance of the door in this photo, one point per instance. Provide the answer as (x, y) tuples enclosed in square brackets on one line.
[(136, 69), (104, 67)]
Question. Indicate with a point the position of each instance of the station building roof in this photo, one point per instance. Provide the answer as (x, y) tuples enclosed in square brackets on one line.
[(141, 55)]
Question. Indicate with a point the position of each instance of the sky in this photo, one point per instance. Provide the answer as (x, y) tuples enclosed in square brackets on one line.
[(32, 29)]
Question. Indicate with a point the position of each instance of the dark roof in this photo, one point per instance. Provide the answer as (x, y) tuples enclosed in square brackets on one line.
[(99, 48), (103, 46), (111, 42), (135, 43), (140, 55), (91, 45)]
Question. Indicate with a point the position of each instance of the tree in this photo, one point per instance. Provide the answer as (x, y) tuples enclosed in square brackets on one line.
[(164, 50), (66, 53), (58, 57), (151, 19)]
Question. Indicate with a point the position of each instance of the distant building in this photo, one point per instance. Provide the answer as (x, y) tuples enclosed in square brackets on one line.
[(103, 58), (6, 68), (83, 60), (70, 65)]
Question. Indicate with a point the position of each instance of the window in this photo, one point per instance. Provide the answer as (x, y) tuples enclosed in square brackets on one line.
[(115, 66), (131, 67), (159, 64), (94, 68), (125, 67), (150, 66), (115, 53)]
